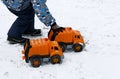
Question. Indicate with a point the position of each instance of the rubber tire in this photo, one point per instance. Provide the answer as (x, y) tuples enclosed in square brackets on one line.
[(77, 45), (53, 57), (35, 59)]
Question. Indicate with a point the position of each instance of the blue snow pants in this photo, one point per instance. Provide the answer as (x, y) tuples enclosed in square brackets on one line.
[(24, 22)]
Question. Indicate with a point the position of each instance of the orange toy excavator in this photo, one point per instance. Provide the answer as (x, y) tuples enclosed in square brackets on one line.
[(68, 37), (39, 50)]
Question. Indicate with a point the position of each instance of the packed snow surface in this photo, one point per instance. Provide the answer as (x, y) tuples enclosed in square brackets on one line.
[(99, 23)]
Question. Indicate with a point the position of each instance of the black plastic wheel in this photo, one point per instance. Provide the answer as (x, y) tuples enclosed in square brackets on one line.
[(35, 61), (55, 59), (63, 46), (77, 47)]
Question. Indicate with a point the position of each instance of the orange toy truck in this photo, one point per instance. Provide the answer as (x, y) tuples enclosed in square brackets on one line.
[(68, 37), (39, 50)]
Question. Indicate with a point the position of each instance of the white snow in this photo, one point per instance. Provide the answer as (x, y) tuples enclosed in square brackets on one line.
[(99, 23)]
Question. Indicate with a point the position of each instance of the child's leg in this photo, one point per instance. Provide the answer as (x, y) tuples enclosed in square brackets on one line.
[(24, 22)]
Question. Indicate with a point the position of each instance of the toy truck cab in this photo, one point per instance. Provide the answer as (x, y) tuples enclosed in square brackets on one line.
[(39, 50), (68, 37), (78, 41)]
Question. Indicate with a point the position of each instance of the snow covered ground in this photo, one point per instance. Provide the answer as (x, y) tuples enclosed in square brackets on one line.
[(99, 23)]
